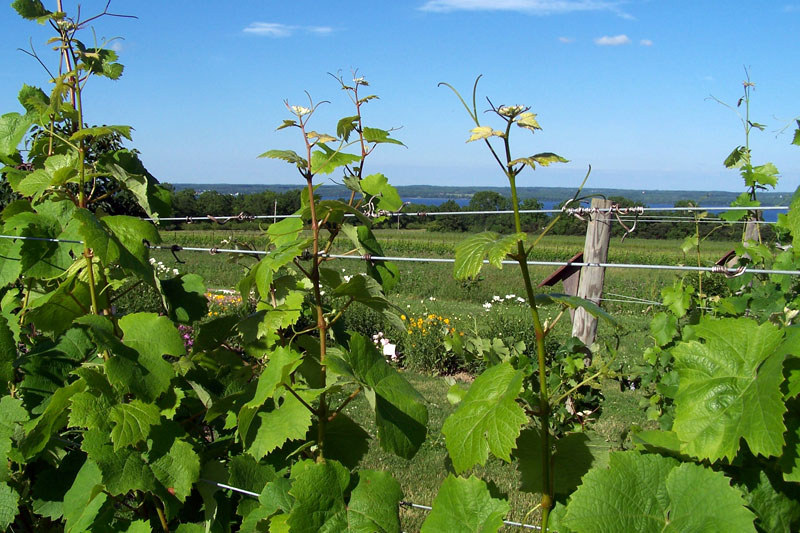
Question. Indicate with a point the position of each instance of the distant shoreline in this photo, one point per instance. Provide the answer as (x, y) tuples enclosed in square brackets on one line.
[(543, 194)]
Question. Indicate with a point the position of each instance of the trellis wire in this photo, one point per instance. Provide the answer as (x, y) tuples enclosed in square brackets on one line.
[(402, 503), (243, 217), (715, 269)]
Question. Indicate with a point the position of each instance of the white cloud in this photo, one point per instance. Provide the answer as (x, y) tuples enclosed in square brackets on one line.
[(566, 40), (276, 29), (646, 42), (532, 7), (616, 40), (117, 46)]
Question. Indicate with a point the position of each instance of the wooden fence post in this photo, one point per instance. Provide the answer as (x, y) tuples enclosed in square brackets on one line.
[(598, 236)]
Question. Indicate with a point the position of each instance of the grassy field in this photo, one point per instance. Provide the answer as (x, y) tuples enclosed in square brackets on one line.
[(429, 289)]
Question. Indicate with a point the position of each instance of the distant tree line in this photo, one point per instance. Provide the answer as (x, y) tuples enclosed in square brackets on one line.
[(194, 204)]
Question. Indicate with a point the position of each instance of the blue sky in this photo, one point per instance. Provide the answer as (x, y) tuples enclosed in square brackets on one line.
[(621, 85)]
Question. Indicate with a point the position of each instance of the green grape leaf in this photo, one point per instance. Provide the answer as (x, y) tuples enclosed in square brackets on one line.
[(12, 415), (367, 291), (400, 412), (9, 500), (13, 128), (99, 132), (132, 422), (650, 493), (325, 160), (186, 297), (471, 252), (484, 132), (664, 327), (345, 441), (465, 505), (739, 157), (289, 420), (796, 139), (761, 175), (345, 127), (285, 231), (791, 220), (92, 411), (84, 499), (30, 9), (123, 470), (142, 370), (177, 468), (8, 352), (378, 186), (677, 298), (248, 474), (290, 156), (575, 302), (318, 490), (488, 418), (790, 459), (52, 419), (729, 389), (125, 167), (774, 502), (11, 265), (373, 504), (574, 455), (375, 135)]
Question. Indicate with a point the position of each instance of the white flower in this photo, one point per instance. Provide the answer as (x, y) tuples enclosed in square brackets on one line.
[(510, 296), (358, 80), (347, 278), (299, 110), (432, 299), (487, 306), (176, 272), (496, 299), (520, 299), (510, 110), (152, 260), (390, 350)]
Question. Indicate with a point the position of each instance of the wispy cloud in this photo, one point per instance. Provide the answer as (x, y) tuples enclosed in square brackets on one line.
[(278, 30), (566, 40), (616, 40), (646, 42), (531, 7)]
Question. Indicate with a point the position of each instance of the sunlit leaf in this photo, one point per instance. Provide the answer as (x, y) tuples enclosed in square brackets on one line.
[(465, 505), (471, 252), (484, 132)]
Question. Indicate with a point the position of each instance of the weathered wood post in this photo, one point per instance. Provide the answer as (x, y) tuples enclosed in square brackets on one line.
[(598, 235)]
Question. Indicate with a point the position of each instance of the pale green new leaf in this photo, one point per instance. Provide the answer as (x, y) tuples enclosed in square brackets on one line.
[(484, 132), (729, 389), (471, 252), (738, 157), (651, 493), (791, 220), (132, 422), (465, 506), (345, 127), (546, 158), (488, 418), (528, 121)]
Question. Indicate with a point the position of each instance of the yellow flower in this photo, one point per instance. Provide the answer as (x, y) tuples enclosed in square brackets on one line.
[(446, 320), (402, 317), (410, 331)]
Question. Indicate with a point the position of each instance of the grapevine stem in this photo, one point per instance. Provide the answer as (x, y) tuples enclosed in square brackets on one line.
[(544, 401)]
